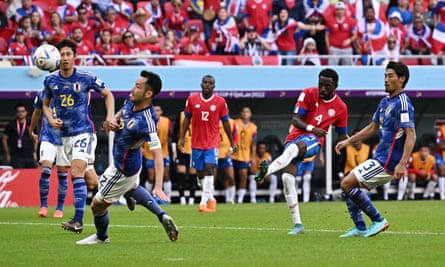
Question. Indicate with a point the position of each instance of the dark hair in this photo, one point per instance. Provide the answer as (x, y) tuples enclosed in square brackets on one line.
[(208, 76), (330, 73), (20, 105), (153, 81), (67, 43), (81, 7), (400, 69)]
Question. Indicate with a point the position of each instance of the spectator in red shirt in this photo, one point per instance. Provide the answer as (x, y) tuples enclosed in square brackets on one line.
[(129, 46), (84, 47), (111, 23), (341, 34), (225, 36), (92, 8), (170, 45), (396, 28), (18, 48), (284, 29), (176, 19), (193, 43), (26, 10), (38, 30), (89, 25), (258, 13), (419, 37), (56, 30), (106, 47), (144, 32), (124, 12), (67, 12)]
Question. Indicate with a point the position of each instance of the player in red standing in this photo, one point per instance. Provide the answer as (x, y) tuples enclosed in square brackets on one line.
[(317, 108), (205, 110)]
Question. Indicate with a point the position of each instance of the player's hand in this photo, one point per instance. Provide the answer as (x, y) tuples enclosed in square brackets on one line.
[(340, 145), (233, 149), (319, 132), (157, 192), (110, 125), (56, 124), (400, 171), (181, 145)]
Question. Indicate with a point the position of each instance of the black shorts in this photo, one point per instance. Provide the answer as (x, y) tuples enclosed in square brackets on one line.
[(183, 159)]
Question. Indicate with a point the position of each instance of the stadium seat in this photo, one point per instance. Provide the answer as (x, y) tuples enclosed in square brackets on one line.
[(3, 46), (7, 33)]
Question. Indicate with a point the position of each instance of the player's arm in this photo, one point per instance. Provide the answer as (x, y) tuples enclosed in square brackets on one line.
[(36, 116), (372, 129), (156, 150), (5, 138), (228, 131), (400, 169), (46, 108), (110, 123), (298, 122)]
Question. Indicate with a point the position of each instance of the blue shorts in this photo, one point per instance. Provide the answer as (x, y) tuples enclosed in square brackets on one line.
[(239, 165), (225, 163), (150, 164), (439, 159), (202, 157), (312, 146), (305, 167)]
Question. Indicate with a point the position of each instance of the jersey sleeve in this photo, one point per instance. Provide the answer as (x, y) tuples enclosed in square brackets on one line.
[(151, 134), (188, 108), (96, 84), (38, 100), (224, 110), (303, 103), (341, 126), (406, 112)]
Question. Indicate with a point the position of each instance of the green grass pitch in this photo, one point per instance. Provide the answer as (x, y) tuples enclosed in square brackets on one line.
[(236, 235)]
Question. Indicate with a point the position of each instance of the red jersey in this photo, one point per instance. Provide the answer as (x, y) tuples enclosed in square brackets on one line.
[(320, 113), (197, 47), (258, 13), (176, 21), (17, 49), (206, 114), (340, 30)]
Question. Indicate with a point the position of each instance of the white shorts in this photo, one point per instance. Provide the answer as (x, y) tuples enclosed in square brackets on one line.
[(47, 151), (371, 174), (93, 155), (81, 147), (113, 185)]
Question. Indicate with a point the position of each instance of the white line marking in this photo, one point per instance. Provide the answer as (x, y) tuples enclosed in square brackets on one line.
[(225, 228)]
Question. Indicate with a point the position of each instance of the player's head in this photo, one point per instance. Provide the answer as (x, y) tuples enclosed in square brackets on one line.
[(424, 151), (147, 86), (68, 50), (207, 86), (396, 76), (261, 147), (158, 111), (327, 83)]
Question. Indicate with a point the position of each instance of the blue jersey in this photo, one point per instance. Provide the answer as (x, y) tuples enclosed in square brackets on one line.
[(71, 98), (47, 133), (392, 116), (135, 128)]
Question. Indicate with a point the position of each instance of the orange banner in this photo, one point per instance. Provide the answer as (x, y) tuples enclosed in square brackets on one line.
[(20, 188)]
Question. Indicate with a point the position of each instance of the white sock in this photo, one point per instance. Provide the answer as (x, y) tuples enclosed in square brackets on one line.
[(283, 160), (272, 188), (412, 188), (291, 196), (207, 189), (230, 194), (252, 188), (306, 187), (168, 188), (149, 186), (403, 183), (429, 189), (386, 190), (241, 193)]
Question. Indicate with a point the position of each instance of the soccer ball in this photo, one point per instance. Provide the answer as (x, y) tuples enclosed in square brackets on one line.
[(46, 57)]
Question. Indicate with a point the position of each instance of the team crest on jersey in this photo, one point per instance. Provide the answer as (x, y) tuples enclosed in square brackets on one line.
[(331, 112), (131, 123), (76, 87), (212, 107), (197, 106)]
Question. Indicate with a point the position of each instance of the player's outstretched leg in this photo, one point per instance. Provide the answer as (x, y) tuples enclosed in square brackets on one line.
[(92, 240), (170, 227)]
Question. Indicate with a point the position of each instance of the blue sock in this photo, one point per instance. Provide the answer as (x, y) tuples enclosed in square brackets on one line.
[(362, 200), (44, 186), (80, 198), (101, 221), (356, 215), (143, 197), (62, 188)]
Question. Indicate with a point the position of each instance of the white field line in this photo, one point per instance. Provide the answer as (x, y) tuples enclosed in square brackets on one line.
[(226, 228)]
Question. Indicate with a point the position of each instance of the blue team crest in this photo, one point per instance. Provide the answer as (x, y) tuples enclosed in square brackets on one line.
[(77, 87)]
